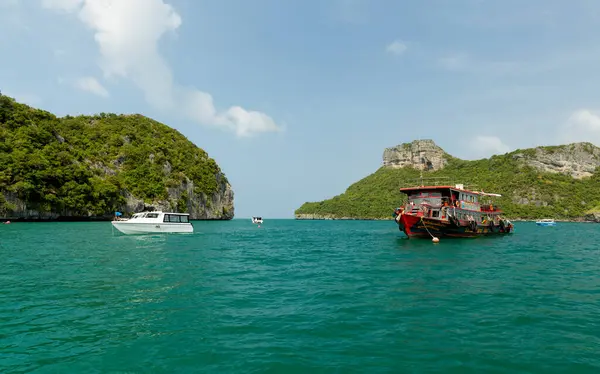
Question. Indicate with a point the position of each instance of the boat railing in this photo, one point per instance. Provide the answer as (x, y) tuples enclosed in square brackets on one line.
[(437, 181)]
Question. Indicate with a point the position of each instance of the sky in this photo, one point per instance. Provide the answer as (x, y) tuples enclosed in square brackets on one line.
[(297, 99)]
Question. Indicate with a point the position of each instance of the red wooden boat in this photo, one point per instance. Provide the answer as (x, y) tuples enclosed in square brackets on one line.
[(450, 211)]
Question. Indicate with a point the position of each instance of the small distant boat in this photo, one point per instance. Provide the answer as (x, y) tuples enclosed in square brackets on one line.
[(257, 220), (546, 222), (154, 222)]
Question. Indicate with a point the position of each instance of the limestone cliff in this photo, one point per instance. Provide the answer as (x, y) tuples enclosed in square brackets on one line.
[(419, 154), (578, 160), (560, 182), (88, 167)]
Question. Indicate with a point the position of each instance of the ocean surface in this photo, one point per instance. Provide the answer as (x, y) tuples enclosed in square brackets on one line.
[(298, 297)]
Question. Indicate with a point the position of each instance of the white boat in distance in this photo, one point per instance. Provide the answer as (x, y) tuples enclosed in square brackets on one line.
[(155, 222), (546, 222), (258, 220)]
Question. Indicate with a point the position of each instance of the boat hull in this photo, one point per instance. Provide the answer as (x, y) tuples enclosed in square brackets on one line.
[(136, 228), (545, 223), (415, 226)]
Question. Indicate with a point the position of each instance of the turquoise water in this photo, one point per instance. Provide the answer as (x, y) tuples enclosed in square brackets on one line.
[(298, 297)]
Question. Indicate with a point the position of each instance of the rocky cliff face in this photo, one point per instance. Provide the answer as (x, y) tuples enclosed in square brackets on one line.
[(578, 160), (592, 217), (218, 206), (418, 154)]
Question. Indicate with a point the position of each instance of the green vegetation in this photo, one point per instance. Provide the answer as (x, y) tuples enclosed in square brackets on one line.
[(526, 192), (83, 165)]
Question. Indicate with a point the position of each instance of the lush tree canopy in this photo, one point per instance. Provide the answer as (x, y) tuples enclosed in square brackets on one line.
[(83, 165), (526, 192)]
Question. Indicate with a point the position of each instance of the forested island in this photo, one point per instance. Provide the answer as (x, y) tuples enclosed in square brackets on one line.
[(88, 167), (560, 182)]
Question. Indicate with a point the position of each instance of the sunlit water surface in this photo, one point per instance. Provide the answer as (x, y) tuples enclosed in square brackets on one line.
[(298, 297)]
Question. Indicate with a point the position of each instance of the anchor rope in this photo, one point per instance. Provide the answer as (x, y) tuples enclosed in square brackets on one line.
[(424, 225)]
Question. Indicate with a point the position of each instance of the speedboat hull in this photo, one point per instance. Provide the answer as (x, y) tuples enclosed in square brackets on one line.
[(546, 223), (419, 227), (133, 228)]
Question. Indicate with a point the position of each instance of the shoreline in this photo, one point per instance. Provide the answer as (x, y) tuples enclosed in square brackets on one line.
[(315, 217), (84, 219)]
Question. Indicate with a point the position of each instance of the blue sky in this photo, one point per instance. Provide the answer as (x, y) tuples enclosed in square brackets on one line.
[(297, 99)]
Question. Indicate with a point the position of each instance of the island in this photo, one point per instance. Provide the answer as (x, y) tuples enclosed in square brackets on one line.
[(89, 167), (560, 182)]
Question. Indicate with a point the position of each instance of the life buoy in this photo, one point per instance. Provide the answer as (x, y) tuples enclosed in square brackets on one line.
[(456, 203)]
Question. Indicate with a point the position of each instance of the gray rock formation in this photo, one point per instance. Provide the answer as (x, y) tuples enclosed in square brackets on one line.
[(579, 160), (200, 206), (592, 217), (218, 206), (419, 154)]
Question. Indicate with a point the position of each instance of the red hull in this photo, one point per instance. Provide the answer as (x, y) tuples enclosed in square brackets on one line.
[(418, 226)]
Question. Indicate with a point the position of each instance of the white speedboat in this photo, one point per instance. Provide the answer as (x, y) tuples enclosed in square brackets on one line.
[(154, 222), (546, 222), (258, 220)]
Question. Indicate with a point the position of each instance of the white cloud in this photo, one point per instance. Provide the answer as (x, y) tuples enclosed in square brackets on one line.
[(485, 146), (583, 125), (91, 84), (127, 33), (397, 47)]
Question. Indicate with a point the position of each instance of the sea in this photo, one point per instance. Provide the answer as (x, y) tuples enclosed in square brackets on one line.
[(298, 297)]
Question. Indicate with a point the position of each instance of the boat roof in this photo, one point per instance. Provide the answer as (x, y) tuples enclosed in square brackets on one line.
[(447, 187), (161, 212)]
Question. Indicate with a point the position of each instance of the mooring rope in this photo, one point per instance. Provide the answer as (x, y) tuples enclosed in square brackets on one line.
[(424, 225)]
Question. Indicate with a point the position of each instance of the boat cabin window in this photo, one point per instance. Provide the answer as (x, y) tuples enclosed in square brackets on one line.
[(467, 197), (176, 218), (151, 215), (433, 198)]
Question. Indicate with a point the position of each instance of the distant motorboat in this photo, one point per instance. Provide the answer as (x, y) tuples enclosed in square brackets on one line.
[(257, 220), (545, 222), (154, 222)]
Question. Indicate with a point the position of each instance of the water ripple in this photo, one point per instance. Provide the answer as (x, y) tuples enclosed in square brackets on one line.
[(297, 297)]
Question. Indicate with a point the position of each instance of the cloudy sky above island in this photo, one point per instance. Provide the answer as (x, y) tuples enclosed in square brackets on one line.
[(297, 99)]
